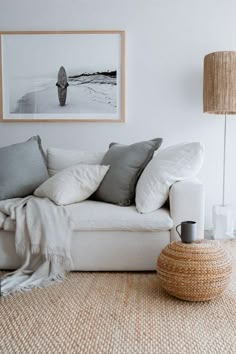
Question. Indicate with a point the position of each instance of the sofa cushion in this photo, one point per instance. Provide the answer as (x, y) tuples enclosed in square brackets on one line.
[(72, 185), (175, 163), (59, 159), (93, 215), (22, 168), (126, 164)]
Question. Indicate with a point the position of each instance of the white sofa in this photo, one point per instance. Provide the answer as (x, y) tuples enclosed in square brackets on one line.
[(113, 238)]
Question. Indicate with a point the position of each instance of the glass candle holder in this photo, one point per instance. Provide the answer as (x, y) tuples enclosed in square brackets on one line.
[(223, 222)]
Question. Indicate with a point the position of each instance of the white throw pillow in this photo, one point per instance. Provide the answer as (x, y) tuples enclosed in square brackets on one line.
[(170, 165), (59, 159), (72, 185)]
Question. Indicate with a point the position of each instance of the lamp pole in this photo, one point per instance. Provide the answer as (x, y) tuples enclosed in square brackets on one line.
[(225, 135)]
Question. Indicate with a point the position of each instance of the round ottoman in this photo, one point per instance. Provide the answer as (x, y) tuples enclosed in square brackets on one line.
[(197, 271)]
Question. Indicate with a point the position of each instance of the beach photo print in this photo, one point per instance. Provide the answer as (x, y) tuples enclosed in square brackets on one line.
[(62, 76)]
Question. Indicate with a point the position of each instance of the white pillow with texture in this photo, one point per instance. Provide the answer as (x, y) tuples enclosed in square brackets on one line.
[(170, 165), (59, 159), (72, 185)]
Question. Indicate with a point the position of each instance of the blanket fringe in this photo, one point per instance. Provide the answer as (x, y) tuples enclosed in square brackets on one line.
[(55, 255), (20, 250), (57, 278)]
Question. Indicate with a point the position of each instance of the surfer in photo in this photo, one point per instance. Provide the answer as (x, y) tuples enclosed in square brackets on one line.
[(62, 86)]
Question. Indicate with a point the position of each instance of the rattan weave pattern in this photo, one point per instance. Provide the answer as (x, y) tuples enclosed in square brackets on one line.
[(219, 84), (117, 313), (198, 271)]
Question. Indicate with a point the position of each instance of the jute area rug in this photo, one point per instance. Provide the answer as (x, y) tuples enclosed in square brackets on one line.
[(117, 313)]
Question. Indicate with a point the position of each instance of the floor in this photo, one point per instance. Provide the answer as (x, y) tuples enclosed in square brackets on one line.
[(117, 313)]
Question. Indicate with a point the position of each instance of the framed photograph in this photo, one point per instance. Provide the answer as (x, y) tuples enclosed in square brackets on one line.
[(62, 76)]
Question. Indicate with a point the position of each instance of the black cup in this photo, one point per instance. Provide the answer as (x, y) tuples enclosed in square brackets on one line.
[(188, 231)]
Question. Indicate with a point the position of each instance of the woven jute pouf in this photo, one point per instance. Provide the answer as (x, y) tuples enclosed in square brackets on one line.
[(197, 271)]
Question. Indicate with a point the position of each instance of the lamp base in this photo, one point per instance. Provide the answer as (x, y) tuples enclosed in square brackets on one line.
[(223, 223)]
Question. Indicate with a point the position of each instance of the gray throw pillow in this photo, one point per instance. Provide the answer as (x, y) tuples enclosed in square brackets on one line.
[(22, 168), (126, 165)]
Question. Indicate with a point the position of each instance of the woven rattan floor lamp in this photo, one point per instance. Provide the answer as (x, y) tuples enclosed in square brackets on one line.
[(219, 97)]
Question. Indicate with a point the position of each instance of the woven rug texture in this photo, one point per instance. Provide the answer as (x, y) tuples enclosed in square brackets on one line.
[(117, 313)]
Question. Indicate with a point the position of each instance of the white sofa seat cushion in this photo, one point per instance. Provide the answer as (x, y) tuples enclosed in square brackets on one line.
[(92, 216)]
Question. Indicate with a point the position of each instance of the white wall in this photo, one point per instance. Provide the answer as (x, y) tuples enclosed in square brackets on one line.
[(165, 46)]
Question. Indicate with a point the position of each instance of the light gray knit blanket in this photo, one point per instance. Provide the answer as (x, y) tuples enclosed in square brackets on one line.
[(42, 238)]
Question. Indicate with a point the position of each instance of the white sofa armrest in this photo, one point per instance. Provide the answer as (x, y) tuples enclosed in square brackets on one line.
[(187, 201)]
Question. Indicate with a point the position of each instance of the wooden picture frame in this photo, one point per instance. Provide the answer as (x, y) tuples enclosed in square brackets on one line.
[(37, 66)]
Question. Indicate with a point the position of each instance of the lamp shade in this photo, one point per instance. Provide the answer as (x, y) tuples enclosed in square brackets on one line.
[(219, 83)]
